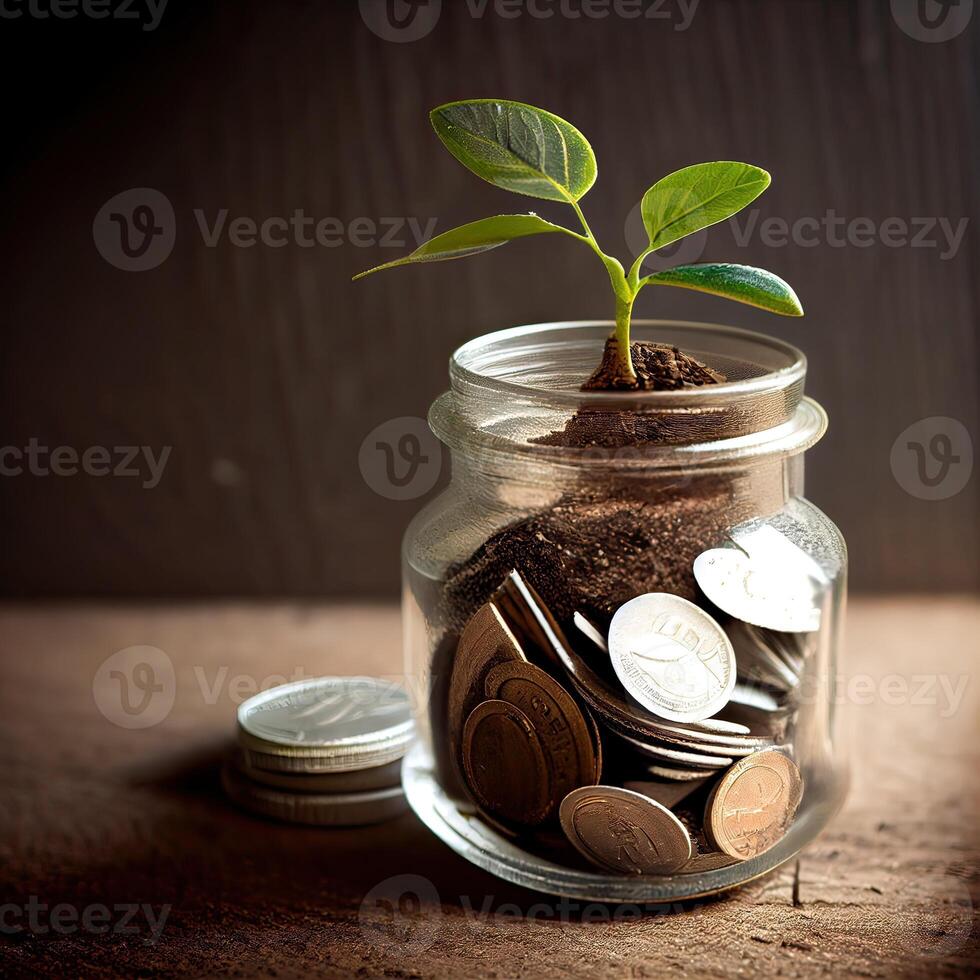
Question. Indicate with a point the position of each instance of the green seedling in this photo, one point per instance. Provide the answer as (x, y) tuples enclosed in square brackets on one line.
[(530, 151)]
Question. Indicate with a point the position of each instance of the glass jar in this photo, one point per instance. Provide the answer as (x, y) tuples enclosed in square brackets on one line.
[(595, 498)]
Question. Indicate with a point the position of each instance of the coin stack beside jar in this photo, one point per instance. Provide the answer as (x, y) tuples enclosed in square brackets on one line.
[(688, 711), (326, 752)]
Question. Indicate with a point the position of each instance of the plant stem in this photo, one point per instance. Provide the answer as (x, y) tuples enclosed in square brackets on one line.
[(624, 313), (625, 297), (585, 224)]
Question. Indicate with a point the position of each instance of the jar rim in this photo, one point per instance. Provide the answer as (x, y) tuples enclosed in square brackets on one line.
[(512, 391), (464, 365)]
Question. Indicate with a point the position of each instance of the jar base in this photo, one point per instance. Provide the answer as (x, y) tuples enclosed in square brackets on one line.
[(473, 839)]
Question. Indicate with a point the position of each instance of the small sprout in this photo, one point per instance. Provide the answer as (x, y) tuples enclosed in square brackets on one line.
[(532, 152)]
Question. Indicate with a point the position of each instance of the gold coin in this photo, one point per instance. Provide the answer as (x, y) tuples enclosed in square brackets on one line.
[(557, 721), (624, 832), (485, 642), (505, 764), (753, 804)]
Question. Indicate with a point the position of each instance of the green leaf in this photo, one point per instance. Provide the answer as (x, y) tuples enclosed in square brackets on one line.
[(697, 197), (475, 237), (742, 283), (517, 147)]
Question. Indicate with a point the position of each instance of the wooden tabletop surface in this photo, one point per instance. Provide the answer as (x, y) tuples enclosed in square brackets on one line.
[(120, 856)]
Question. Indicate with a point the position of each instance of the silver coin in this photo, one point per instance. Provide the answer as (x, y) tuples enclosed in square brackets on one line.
[(757, 657), (328, 724), (671, 756), (662, 738), (786, 546), (707, 748), (623, 714), (356, 781), (792, 648), (317, 809), (672, 657), (747, 696), (765, 580), (671, 772), (586, 628), (712, 738)]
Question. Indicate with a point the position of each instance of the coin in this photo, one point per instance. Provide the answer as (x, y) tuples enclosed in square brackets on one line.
[(532, 621), (753, 804), (319, 809), (690, 752), (695, 732), (672, 657), (624, 832), (770, 545), (557, 720), (669, 772), (596, 745), (485, 642), (751, 698), (616, 711), (707, 861), (758, 656), (357, 781), (588, 629), (765, 580), (505, 765), (690, 760), (328, 724)]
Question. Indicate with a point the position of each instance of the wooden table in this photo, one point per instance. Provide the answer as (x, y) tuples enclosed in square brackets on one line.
[(119, 855)]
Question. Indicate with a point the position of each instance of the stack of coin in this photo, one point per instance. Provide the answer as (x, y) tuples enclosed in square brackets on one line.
[(768, 658), (326, 752), (520, 741), (695, 718)]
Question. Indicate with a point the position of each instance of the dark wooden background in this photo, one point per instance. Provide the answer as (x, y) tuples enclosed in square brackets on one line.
[(265, 368)]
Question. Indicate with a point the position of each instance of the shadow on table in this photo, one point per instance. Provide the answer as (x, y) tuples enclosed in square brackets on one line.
[(263, 861)]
